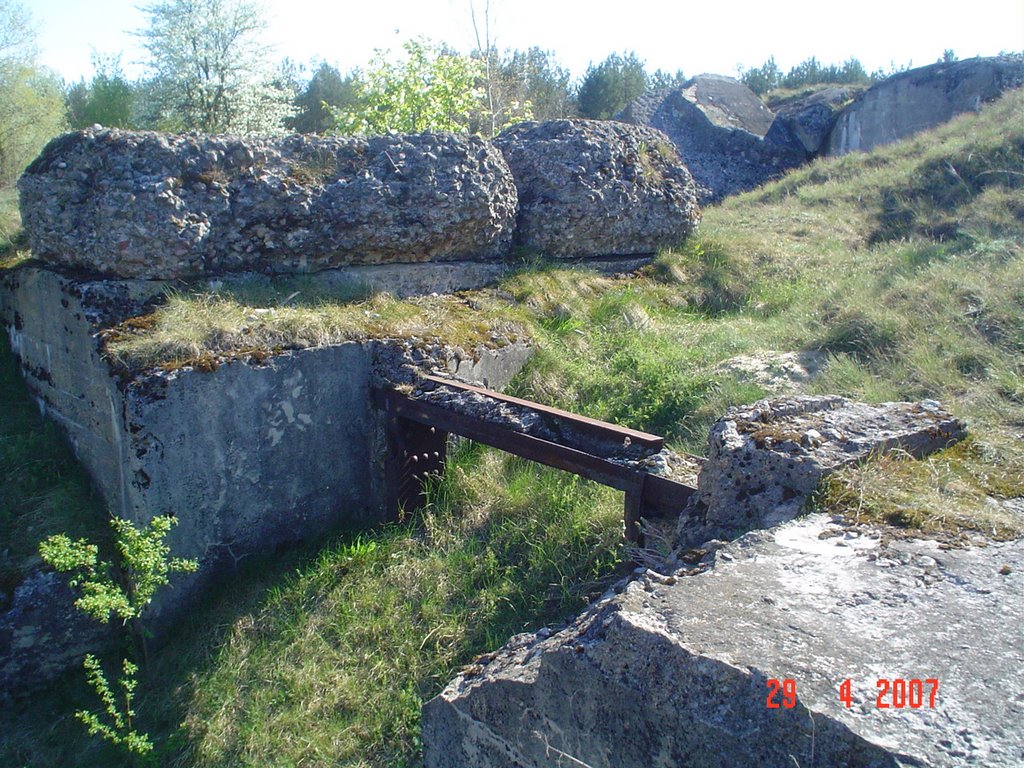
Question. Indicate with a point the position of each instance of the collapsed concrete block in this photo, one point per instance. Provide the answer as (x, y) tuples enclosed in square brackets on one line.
[(922, 98), (149, 205), (42, 634), (764, 461), (718, 125), (802, 125), (676, 671), (597, 188)]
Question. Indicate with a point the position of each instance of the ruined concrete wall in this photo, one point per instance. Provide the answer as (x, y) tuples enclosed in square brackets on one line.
[(922, 98), (165, 206), (49, 320), (248, 457), (161, 206), (597, 188)]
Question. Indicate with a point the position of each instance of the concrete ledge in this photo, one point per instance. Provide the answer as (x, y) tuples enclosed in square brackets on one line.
[(673, 671)]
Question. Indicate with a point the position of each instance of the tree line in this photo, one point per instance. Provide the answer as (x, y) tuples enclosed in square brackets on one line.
[(208, 69), (770, 77)]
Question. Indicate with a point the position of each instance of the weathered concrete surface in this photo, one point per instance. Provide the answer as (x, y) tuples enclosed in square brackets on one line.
[(803, 124), (597, 188), (51, 321), (922, 98), (42, 634), (718, 125), (764, 461), (672, 672), (155, 205)]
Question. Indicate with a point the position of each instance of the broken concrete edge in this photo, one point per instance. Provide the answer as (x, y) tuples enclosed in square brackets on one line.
[(766, 460), (674, 670)]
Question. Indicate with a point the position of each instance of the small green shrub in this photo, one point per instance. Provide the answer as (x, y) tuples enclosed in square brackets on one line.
[(106, 591), (145, 567), (118, 729)]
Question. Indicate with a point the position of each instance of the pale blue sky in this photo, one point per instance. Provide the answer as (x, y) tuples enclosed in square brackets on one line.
[(704, 36)]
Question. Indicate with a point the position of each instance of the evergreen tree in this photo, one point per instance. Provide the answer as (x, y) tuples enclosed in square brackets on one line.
[(325, 93), (608, 87), (535, 77)]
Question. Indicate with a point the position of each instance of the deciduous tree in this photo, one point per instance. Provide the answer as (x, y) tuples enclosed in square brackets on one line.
[(209, 70), (31, 101), (105, 100), (17, 37), (431, 89)]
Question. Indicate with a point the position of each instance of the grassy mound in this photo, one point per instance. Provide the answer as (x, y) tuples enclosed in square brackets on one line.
[(902, 269)]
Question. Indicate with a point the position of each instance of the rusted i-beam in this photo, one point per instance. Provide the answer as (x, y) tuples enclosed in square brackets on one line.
[(583, 424), (417, 427)]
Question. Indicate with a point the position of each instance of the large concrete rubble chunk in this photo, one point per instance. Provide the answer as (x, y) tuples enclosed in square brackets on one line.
[(719, 127), (803, 124), (922, 98), (164, 206), (597, 188), (765, 460), (674, 672)]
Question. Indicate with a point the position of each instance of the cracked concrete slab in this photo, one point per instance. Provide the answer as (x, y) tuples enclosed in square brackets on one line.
[(675, 671)]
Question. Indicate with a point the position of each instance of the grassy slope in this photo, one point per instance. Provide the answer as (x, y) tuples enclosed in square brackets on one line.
[(904, 266)]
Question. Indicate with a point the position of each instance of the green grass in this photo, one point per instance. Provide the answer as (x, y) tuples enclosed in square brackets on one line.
[(43, 488), (12, 241), (910, 279), (202, 327)]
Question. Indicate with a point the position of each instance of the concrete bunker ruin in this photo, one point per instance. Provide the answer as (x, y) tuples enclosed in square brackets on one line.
[(272, 446), (267, 448)]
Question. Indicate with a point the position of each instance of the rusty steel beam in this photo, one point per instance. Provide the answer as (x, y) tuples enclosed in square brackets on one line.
[(529, 447), (585, 424), (663, 496), (418, 429)]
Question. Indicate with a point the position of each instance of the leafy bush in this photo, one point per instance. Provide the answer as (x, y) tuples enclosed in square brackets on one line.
[(433, 89), (125, 592)]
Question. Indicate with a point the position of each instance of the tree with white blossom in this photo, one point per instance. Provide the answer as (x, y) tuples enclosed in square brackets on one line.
[(208, 68)]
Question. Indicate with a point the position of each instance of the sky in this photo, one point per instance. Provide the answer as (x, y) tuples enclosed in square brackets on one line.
[(708, 36)]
